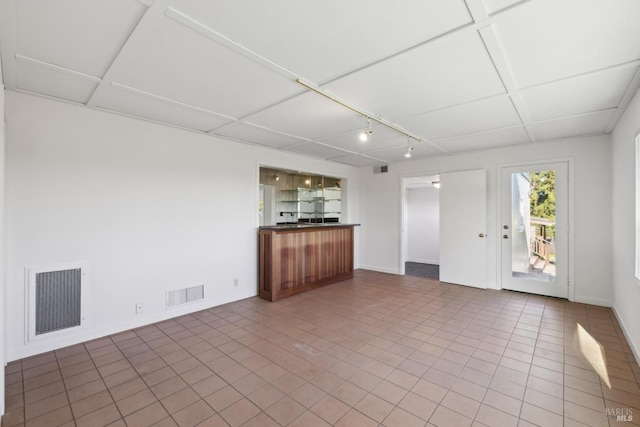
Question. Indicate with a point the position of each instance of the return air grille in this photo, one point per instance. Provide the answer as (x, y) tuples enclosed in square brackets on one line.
[(58, 300), (381, 169), (183, 296)]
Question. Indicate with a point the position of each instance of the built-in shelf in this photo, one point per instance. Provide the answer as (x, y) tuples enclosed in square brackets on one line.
[(312, 203), (301, 198)]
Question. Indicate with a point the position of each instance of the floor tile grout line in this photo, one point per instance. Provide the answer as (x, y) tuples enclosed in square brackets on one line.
[(102, 379), (169, 366), (448, 308), (501, 357), (190, 385)]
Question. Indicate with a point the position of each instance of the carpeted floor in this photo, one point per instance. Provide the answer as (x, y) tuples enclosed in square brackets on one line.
[(428, 271)]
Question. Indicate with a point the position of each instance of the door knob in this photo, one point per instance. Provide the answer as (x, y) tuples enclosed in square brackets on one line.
[(506, 227), (505, 236), (481, 235)]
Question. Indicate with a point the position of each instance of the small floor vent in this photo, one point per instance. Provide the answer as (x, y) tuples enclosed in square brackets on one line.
[(55, 300), (183, 296)]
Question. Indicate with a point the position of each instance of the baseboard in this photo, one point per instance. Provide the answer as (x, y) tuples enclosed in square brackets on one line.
[(379, 270), (593, 301), (424, 261), (634, 348), (33, 349)]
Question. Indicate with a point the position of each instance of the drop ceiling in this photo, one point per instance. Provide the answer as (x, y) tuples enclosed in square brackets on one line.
[(458, 75)]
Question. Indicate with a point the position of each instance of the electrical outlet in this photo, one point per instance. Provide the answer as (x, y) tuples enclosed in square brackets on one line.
[(235, 282), (139, 308)]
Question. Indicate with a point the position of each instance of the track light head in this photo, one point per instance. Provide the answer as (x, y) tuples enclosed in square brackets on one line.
[(365, 134), (408, 153), (409, 148)]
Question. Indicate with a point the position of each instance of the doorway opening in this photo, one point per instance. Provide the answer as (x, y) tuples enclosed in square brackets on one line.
[(422, 227)]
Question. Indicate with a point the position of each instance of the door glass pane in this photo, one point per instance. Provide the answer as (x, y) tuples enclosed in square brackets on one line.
[(533, 220)]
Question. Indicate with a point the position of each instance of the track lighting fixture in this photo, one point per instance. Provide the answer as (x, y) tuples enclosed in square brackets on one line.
[(436, 184), (364, 135), (276, 177), (409, 149)]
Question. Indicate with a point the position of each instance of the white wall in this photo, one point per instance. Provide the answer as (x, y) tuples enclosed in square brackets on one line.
[(2, 246), (423, 225), (150, 208), (591, 228), (626, 288)]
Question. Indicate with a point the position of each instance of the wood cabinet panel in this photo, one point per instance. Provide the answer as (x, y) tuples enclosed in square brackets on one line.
[(294, 260)]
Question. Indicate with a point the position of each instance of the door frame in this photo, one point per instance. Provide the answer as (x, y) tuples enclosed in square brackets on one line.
[(570, 217), (402, 220)]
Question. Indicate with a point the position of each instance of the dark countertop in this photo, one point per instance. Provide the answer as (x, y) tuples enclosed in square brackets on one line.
[(304, 226)]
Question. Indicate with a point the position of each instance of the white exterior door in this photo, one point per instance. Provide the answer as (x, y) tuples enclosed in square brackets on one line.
[(534, 228), (463, 211)]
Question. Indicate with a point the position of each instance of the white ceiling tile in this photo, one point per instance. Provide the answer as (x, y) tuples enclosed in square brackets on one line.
[(249, 133), (546, 40), (490, 113), (478, 141), (177, 63), (420, 150), (315, 150), (324, 41), (381, 138), (582, 94), (357, 160), (83, 35), (494, 6), (585, 124), (451, 70), (417, 64), (139, 105), (53, 82), (309, 115)]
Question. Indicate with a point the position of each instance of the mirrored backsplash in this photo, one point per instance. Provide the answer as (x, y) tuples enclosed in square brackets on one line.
[(290, 197)]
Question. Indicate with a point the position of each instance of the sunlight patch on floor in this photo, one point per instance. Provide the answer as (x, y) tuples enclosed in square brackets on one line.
[(593, 351)]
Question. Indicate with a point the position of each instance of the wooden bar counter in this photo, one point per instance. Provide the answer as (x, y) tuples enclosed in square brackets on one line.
[(298, 258)]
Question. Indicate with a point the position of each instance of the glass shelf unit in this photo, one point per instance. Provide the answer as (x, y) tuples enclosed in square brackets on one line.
[(303, 198)]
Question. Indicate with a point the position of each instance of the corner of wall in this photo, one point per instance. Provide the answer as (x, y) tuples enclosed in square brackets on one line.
[(2, 245), (634, 348), (625, 284)]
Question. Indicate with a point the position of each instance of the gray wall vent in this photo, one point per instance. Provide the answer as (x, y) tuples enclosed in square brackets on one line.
[(183, 296), (55, 300), (381, 169), (58, 300)]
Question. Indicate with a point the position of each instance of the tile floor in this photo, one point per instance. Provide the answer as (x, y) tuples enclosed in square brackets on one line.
[(376, 350)]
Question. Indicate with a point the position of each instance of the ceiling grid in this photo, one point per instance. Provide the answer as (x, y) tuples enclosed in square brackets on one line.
[(465, 75)]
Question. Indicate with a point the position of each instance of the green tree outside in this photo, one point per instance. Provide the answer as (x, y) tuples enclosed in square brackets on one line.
[(543, 198)]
